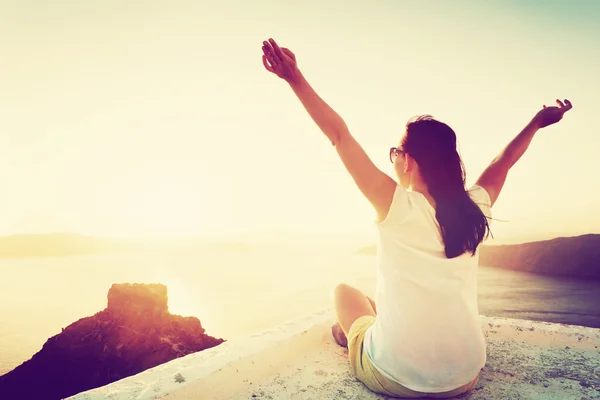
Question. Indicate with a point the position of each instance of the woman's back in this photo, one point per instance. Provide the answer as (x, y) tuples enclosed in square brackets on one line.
[(427, 335)]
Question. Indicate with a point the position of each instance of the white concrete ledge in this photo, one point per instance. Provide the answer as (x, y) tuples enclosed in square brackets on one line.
[(299, 360)]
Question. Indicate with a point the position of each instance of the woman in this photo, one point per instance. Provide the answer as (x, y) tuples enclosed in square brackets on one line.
[(422, 336)]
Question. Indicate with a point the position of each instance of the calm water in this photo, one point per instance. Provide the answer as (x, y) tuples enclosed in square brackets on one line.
[(234, 293)]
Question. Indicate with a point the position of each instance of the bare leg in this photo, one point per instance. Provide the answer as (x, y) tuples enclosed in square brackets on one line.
[(372, 304), (350, 304)]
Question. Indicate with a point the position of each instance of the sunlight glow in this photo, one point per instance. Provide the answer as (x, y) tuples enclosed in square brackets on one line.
[(145, 125), (180, 300), (163, 209)]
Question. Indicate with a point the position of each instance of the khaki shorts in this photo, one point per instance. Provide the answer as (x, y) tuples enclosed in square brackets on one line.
[(365, 372)]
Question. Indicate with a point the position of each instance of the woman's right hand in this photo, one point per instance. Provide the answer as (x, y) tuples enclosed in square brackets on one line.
[(551, 115)]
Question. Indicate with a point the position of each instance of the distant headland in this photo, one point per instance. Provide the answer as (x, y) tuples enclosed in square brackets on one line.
[(576, 257)]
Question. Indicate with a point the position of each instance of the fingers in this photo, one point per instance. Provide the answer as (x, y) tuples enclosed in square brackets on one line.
[(564, 107), (271, 52), (267, 66), (277, 49), (268, 52)]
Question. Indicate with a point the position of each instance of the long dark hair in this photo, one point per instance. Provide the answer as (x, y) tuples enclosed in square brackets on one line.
[(433, 146)]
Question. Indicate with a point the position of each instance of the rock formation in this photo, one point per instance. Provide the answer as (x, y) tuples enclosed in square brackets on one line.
[(575, 257), (135, 332)]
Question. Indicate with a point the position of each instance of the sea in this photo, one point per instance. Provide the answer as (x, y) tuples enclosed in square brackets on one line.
[(237, 290)]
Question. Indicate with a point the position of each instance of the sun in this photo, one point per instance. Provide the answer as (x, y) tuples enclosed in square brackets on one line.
[(180, 301)]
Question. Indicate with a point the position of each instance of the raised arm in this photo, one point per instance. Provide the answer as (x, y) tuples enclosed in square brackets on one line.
[(376, 186), (492, 179)]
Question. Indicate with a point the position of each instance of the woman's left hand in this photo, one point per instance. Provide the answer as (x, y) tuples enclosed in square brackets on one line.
[(280, 61)]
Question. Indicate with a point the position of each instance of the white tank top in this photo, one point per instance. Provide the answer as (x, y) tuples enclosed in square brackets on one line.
[(427, 336)]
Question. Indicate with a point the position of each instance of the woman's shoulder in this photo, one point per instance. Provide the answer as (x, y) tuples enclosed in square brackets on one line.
[(479, 195)]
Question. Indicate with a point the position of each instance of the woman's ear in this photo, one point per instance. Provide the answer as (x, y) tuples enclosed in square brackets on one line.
[(408, 163)]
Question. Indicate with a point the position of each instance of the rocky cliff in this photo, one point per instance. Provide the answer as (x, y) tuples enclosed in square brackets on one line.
[(135, 332), (576, 257)]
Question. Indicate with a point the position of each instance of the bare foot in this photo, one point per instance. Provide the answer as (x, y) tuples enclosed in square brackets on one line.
[(338, 335)]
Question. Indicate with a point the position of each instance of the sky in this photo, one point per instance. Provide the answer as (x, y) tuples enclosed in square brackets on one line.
[(158, 119)]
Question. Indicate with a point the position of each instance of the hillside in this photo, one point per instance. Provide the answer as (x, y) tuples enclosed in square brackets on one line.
[(54, 245), (577, 257)]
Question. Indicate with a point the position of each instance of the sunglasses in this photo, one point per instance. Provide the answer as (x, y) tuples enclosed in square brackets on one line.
[(394, 152)]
